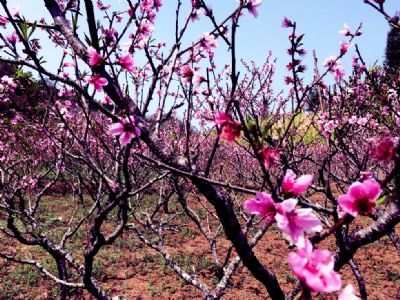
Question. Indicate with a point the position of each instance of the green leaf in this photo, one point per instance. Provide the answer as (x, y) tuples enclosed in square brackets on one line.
[(250, 122), (382, 200), (33, 28), (23, 25)]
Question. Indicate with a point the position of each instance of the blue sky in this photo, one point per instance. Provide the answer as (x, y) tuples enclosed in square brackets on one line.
[(320, 20)]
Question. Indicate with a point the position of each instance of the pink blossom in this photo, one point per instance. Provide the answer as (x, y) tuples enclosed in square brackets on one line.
[(346, 31), (362, 121), (360, 198), (157, 4), (288, 80), (146, 5), (385, 149), (365, 175), (145, 29), (208, 42), (329, 127), (292, 186), (230, 129), (198, 79), (127, 130), (314, 267), (221, 118), (98, 82), (348, 293), (101, 6), (3, 21), (195, 15), (344, 46), (126, 62), (13, 38), (301, 52), (107, 100), (9, 82), (331, 62), (14, 10), (270, 157), (286, 23), (252, 5), (186, 73), (94, 57), (295, 222), (339, 74), (261, 206), (353, 120), (355, 61)]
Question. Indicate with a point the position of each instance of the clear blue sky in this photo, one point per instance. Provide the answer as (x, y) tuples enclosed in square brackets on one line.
[(320, 20)]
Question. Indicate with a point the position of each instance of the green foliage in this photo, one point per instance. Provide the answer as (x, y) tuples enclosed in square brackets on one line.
[(187, 232), (98, 267), (27, 29), (19, 281), (307, 132)]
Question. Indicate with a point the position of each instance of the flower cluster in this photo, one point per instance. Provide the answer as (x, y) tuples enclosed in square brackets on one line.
[(127, 130), (230, 129), (292, 221)]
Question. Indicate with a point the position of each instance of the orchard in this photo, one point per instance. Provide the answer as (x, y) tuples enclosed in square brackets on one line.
[(138, 167)]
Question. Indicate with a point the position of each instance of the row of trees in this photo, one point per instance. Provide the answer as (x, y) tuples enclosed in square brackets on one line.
[(217, 136)]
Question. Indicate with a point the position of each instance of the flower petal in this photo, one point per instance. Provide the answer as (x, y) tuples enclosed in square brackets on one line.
[(116, 129)]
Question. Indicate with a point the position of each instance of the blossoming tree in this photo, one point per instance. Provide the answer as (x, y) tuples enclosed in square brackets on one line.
[(119, 125)]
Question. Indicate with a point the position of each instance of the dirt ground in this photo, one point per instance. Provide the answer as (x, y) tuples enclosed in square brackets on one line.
[(130, 269)]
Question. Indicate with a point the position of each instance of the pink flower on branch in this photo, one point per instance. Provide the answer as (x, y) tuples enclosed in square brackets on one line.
[(295, 222), (286, 23), (187, 73), (3, 21), (95, 58), (230, 128), (13, 38), (385, 149), (15, 10), (345, 31), (98, 82), (360, 198), (252, 5), (261, 206), (292, 186), (314, 267), (102, 6), (270, 157), (126, 62), (127, 130), (344, 47)]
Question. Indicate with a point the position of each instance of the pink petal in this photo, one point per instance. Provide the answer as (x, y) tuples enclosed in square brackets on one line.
[(125, 138), (263, 208), (288, 205), (288, 181), (347, 203), (306, 220), (348, 293), (302, 184), (102, 81), (137, 131), (357, 190), (265, 198), (373, 189), (282, 222), (116, 129)]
